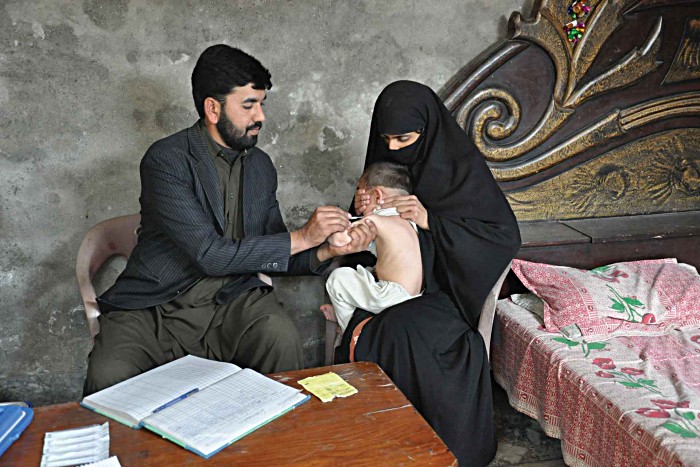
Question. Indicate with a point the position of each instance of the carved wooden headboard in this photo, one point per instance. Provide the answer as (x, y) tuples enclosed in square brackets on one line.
[(590, 121)]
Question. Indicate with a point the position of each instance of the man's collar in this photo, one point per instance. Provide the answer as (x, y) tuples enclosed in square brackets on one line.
[(212, 146), (215, 148)]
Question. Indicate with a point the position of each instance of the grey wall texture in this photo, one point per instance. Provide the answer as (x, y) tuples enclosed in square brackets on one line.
[(86, 86)]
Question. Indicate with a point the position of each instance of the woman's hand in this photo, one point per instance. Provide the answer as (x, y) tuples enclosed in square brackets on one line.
[(361, 201), (409, 207)]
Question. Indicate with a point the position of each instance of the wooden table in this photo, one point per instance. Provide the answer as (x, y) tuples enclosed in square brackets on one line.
[(376, 426)]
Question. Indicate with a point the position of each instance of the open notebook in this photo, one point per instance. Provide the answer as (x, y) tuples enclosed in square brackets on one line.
[(200, 404)]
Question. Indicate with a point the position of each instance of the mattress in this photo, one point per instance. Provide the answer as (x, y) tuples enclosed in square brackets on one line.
[(623, 400)]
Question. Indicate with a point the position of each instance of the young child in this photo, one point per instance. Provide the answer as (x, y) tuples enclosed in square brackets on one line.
[(398, 274)]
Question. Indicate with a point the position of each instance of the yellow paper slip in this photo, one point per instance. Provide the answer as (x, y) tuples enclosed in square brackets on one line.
[(327, 386)]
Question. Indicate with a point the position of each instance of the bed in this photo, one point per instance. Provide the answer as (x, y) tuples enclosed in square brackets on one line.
[(617, 396), (620, 401), (588, 115)]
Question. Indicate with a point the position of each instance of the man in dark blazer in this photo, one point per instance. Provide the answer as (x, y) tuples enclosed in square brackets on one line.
[(210, 226)]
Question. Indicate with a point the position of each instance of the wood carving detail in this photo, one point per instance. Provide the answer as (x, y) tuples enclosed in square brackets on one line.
[(492, 114), (604, 125), (686, 64), (611, 126), (659, 173)]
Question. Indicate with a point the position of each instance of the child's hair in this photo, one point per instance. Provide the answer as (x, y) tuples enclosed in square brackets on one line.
[(389, 175)]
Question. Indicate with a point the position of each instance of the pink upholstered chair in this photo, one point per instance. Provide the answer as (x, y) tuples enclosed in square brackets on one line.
[(488, 312), (116, 236)]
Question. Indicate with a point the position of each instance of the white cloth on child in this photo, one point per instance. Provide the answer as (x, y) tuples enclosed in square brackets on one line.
[(386, 212), (351, 288)]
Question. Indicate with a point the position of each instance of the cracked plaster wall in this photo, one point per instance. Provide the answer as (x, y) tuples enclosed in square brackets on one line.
[(86, 86)]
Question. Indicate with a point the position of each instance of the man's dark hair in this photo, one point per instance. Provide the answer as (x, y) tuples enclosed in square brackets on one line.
[(389, 175), (220, 68)]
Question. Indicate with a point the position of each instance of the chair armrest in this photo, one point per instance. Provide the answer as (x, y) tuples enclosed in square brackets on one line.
[(488, 311), (92, 312)]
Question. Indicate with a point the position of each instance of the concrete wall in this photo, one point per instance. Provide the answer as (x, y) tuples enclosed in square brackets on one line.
[(86, 86)]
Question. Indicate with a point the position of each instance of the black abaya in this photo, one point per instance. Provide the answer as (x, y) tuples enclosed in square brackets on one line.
[(430, 346), (440, 365), (472, 226)]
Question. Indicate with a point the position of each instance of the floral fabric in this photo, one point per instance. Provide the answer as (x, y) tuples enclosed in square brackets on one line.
[(623, 401), (636, 297)]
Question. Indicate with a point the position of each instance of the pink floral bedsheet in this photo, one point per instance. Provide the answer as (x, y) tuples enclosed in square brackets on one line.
[(623, 401)]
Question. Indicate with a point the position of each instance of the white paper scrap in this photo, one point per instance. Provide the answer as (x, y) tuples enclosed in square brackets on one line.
[(111, 462)]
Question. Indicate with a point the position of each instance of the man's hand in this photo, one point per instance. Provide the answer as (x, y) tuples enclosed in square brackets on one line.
[(409, 208), (361, 201), (361, 234), (325, 221)]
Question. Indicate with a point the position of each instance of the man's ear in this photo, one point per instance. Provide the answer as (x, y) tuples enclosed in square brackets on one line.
[(212, 110)]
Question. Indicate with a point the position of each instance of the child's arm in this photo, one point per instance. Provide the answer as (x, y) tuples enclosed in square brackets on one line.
[(339, 239)]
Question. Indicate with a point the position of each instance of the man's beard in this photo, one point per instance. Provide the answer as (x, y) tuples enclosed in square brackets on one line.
[(234, 137)]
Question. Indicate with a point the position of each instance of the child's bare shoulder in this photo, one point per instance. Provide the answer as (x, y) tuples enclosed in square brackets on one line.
[(390, 223)]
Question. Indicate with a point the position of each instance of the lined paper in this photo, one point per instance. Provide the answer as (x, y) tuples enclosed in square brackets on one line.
[(220, 414), (138, 397)]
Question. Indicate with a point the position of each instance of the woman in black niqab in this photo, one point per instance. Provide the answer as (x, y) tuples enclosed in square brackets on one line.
[(430, 346)]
